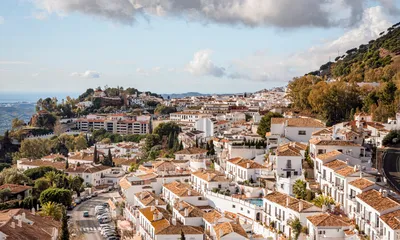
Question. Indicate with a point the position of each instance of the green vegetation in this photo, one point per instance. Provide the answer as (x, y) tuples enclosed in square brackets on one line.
[(56, 195), (322, 200), (53, 210), (296, 227), (265, 123), (101, 134), (392, 137), (36, 173), (338, 101), (300, 189), (164, 110)]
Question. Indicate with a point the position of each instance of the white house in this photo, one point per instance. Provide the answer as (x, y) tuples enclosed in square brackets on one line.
[(204, 180), (355, 188), (371, 206), (147, 199), (92, 175), (279, 208), (327, 226), (295, 129), (230, 231), (288, 165), (241, 169), (188, 214), (174, 191), (191, 153)]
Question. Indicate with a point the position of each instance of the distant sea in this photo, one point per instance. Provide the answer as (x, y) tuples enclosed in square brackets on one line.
[(22, 106)]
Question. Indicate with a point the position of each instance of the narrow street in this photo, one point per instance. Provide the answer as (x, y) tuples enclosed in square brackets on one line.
[(88, 227)]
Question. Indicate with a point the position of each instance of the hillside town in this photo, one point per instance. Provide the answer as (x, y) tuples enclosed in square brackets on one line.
[(298, 180)]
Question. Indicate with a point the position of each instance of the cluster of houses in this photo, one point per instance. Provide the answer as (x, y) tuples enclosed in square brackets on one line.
[(248, 190)]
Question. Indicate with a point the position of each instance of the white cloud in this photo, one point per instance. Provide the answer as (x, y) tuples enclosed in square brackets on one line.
[(283, 68), (40, 15), (282, 13), (201, 65), (1, 20), (35, 74), (86, 74), (13, 62)]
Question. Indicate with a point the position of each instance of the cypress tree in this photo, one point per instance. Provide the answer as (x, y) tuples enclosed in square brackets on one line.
[(181, 146), (66, 164), (95, 155), (64, 226)]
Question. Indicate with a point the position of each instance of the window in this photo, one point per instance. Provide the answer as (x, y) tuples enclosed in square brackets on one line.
[(233, 206), (248, 211), (302, 132), (241, 209), (321, 151), (289, 164), (282, 186), (321, 232)]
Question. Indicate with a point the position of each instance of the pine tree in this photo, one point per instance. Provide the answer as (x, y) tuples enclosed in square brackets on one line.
[(95, 155), (180, 146), (108, 161), (197, 142), (64, 226), (66, 164)]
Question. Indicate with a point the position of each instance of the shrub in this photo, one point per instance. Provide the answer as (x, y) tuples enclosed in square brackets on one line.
[(57, 195)]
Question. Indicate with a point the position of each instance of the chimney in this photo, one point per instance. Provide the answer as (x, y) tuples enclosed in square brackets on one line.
[(155, 216), (384, 193), (209, 177), (19, 221), (186, 212), (361, 174), (12, 224), (189, 192), (152, 208), (300, 206), (287, 201), (156, 202), (23, 216), (324, 208), (248, 165), (33, 211)]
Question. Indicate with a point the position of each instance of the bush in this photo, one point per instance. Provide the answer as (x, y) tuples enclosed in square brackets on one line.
[(10, 204), (36, 173), (57, 195), (392, 135)]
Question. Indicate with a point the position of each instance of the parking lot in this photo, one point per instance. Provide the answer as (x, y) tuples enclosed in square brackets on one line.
[(88, 227)]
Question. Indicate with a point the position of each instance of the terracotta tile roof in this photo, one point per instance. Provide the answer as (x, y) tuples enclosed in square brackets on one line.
[(87, 169), (15, 188), (321, 142), (160, 223), (361, 183), (245, 163), (41, 227), (392, 219), (211, 176), (323, 132), (192, 211), (229, 227), (177, 229), (42, 163), (299, 122), (329, 220), (349, 232), (346, 171), (188, 151), (54, 156), (82, 156), (180, 189), (335, 164), (124, 183), (329, 155), (283, 200), (123, 161), (290, 149), (375, 199), (148, 198), (212, 216)]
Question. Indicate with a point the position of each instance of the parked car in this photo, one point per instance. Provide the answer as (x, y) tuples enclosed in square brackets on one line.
[(85, 213), (77, 200), (95, 194), (104, 220)]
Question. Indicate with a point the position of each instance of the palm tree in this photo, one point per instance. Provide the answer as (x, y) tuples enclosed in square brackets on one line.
[(296, 227), (75, 184), (53, 210), (51, 177), (322, 200), (299, 189)]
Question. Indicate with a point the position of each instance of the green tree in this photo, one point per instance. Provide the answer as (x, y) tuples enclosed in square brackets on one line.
[(322, 200), (52, 209), (80, 143), (36, 173), (164, 129), (265, 123), (95, 155), (300, 189), (151, 141), (108, 161), (75, 184), (51, 177), (41, 184), (64, 226), (17, 123), (296, 227), (57, 195), (66, 164), (13, 176)]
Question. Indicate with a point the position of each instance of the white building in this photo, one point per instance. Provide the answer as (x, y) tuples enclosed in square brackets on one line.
[(204, 180), (176, 191), (241, 169), (328, 226), (295, 129)]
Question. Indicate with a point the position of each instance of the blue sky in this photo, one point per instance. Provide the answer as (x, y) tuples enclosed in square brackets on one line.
[(47, 46)]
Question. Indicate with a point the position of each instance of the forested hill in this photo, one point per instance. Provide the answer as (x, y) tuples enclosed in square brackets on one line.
[(366, 79)]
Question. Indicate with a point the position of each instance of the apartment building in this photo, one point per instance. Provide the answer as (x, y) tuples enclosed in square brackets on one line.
[(116, 123)]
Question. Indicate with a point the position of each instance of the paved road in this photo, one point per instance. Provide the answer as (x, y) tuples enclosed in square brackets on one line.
[(88, 227), (391, 166)]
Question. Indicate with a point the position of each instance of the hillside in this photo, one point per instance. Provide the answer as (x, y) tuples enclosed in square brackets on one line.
[(366, 79), (370, 62)]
